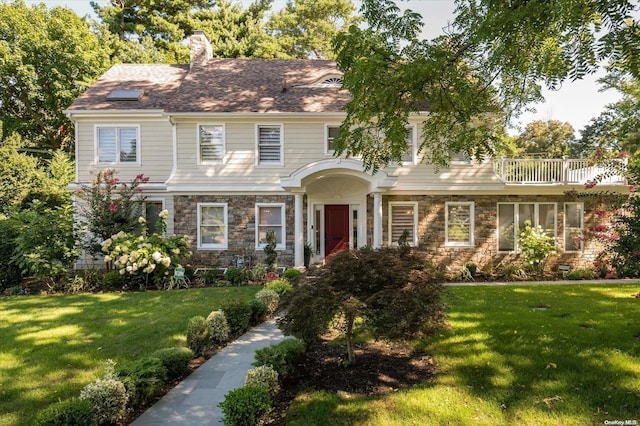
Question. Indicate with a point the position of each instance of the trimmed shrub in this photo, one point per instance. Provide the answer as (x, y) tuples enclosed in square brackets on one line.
[(235, 276), (71, 412), (109, 399), (198, 335), (580, 274), (263, 375), (270, 298), (258, 312), (281, 286), (283, 357), (292, 275), (238, 314), (246, 406), (218, 327), (143, 379), (111, 280), (175, 360)]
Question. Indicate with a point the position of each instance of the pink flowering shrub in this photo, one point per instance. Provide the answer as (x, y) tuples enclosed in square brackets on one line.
[(108, 206)]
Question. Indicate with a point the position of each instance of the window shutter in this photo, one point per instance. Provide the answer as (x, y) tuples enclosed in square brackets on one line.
[(402, 219), (269, 144), (211, 143)]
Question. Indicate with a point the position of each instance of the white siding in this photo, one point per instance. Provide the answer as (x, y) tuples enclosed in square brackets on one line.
[(156, 150)]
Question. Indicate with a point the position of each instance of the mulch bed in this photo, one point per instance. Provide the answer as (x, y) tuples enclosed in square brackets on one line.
[(380, 368)]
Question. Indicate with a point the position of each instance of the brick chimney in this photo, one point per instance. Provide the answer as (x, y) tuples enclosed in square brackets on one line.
[(200, 48)]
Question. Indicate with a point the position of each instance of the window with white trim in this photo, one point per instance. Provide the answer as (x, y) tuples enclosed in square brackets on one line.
[(212, 226), (409, 155), (117, 144), (403, 219), (459, 223), (270, 216), (331, 133), (152, 209), (269, 144), (513, 216), (211, 145), (573, 227)]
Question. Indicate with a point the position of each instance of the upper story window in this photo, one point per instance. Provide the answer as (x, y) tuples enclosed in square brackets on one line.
[(211, 143), (573, 227), (459, 223), (269, 145), (410, 154), (270, 216), (117, 144), (512, 217), (331, 133), (403, 220), (212, 226)]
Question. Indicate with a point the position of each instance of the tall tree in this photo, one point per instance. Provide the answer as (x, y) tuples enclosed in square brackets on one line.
[(306, 28), (552, 138), (617, 128), (235, 32), (475, 78), (47, 58), (166, 23)]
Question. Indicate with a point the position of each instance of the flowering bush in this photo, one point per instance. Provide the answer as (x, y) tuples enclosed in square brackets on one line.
[(535, 246), (146, 254), (109, 206)]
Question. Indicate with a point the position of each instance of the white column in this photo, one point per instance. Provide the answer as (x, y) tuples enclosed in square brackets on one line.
[(377, 220), (298, 242)]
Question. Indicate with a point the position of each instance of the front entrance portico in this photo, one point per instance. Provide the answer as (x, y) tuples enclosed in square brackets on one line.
[(336, 212)]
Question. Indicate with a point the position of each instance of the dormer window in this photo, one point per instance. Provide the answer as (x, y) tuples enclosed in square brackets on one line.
[(328, 81)]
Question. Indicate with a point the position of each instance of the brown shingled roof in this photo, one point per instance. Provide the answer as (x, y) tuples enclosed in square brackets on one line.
[(220, 85), (159, 83)]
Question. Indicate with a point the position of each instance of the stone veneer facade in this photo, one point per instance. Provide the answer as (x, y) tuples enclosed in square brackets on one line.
[(431, 228)]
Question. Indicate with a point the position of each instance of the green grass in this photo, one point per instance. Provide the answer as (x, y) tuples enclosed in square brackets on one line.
[(526, 355), (52, 346)]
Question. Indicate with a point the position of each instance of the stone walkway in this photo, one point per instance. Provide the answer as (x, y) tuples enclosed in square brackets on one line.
[(194, 402)]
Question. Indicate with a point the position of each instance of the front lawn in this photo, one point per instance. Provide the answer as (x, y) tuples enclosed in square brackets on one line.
[(52, 346), (530, 354)]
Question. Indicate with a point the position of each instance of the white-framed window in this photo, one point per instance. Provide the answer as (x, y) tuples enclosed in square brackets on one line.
[(211, 143), (573, 227), (331, 132), (513, 216), (459, 223), (117, 144), (269, 150), (270, 216), (212, 226), (152, 208), (409, 155), (403, 219)]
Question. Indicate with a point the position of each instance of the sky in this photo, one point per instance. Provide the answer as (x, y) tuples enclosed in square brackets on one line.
[(576, 102)]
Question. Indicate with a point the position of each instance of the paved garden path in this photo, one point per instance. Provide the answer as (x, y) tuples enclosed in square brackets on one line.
[(195, 400)]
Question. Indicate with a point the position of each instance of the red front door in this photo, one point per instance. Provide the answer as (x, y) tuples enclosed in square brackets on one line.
[(336, 228)]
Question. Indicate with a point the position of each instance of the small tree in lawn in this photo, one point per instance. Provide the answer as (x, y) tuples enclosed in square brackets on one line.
[(387, 288), (109, 206)]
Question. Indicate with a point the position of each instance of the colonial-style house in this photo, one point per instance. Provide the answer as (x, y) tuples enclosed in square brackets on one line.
[(234, 147)]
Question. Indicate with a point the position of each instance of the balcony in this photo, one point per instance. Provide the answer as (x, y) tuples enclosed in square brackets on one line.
[(562, 171)]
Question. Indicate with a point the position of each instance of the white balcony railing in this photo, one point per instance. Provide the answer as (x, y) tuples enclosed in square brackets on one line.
[(560, 171)]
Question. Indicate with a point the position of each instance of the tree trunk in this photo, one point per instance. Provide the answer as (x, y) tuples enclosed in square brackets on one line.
[(350, 354)]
